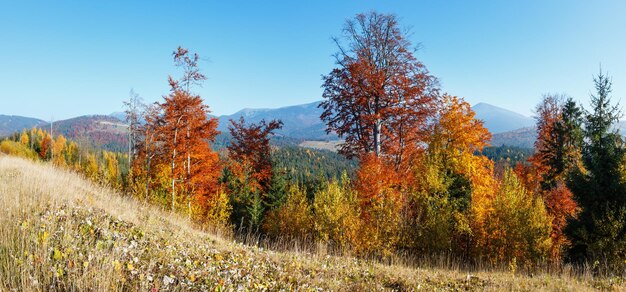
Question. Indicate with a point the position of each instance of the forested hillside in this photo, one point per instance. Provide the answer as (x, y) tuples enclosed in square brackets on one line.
[(12, 124), (99, 131), (311, 166)]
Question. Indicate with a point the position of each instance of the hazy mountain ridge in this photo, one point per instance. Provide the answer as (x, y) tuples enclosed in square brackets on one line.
[(10, 124), (301, 123), (499, 120)]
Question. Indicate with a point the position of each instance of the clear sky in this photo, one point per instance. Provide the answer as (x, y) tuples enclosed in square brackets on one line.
[(64, 59)]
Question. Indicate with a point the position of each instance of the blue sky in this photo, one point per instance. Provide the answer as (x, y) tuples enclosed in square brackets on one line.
[(64, 59)]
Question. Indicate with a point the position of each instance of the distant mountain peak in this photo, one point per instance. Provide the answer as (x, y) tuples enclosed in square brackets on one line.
[(499, 120), (482, 104), (300, 121)]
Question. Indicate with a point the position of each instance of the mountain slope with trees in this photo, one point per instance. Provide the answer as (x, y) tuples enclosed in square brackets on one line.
[(12, 124)]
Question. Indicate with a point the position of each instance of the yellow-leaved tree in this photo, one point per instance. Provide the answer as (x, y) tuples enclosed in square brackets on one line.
[(454, 184), (516, 226), (336, 215), (293, 219)]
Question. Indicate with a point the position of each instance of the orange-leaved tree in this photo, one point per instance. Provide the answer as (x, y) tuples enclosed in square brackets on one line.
[(187, 131), (175, 143), (380, 96)]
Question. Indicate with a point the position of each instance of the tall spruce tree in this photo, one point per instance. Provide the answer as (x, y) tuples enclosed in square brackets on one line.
[(598, 233), (569, 129)]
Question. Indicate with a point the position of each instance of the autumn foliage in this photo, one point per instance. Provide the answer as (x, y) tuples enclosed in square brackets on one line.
[(174, 158), (104, 167), (556, 154), (250, 152), (422, 185), (380, 96)]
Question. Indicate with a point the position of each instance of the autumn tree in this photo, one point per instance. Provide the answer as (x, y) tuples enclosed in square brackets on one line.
[(559, 139), (558, 150), (90, 167), (45, 145), (251, 168), (110, 169), (380, 96), (548, 113), (293, 219), (518, 226), (337, 218), (133, 114), (250, 150), (453, 183), (458, 135), (24, 139), (58, 147), (173, 150), (380, 197), (186, 132)]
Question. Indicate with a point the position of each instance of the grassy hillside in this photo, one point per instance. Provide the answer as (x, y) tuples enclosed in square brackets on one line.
[(60, 232)]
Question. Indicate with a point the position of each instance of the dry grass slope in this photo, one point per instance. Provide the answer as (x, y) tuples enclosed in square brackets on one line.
[(60, 232)]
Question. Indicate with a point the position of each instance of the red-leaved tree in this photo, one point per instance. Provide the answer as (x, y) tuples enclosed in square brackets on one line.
[(380, 96), (250, 152)]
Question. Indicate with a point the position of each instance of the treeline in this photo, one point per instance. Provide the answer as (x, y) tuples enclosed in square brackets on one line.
[(507, 155), (101, 166)]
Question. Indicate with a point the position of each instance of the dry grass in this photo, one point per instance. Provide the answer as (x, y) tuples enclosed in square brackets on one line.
[(59, 232)]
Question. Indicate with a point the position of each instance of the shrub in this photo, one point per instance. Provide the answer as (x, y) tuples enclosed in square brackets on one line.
[(293, 219), (336, 212), (17, 149)]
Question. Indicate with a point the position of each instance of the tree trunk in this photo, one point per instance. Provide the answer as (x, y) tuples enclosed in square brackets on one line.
[(173, 166), (130, 138), (377, 130), (148, 177)]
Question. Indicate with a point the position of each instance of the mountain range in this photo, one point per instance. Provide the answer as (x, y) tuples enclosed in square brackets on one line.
[(301, 123)]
